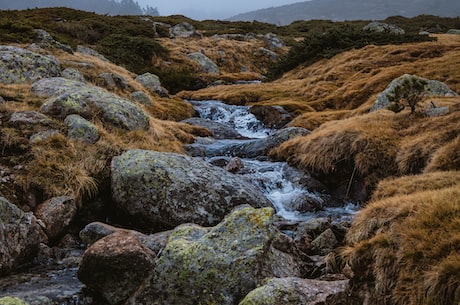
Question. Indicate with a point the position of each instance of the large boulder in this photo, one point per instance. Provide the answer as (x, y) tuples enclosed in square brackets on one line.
[(22, 66), (294, 291), (220, 265), (247, 149), (72, 97), (206, 64), (115, 266), (19, 236), (432, 88), (166, 189)]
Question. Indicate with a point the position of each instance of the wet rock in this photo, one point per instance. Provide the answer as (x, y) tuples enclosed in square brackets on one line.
[(272, 116), (28, 117), (111, 81), (432, 88), (220, 265), (380, 27), (57, 214), (22, 66), (234, 165), (294, 291), (324, 243), (305, 203), (206, 64), (219, 130), (73, 74), (88, 51), (115, 266), (81, 129), (141, 98), (46, 41), (72, 97), (166, 189), (183, 30), (19, 236), (152, 82), (250, 148)]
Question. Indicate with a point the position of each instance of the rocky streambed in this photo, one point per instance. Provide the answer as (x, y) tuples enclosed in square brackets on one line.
[(229, 221)]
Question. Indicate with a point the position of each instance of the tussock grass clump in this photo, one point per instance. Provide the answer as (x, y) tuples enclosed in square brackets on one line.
[(406, 248)]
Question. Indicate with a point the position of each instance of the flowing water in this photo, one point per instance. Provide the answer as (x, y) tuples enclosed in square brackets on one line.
[(277, 180)]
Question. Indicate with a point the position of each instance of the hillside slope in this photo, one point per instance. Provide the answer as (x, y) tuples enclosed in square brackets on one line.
[(351, 10)]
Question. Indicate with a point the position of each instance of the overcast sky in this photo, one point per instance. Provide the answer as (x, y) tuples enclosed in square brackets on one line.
[(211, 9)]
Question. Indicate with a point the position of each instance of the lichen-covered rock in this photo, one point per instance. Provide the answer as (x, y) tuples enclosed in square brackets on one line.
[(324, 243), (222, 264), (115, 266), (73, 97), (81, 129), (380, 27), (432, 88), (219, 130), (19, 236), (28, 117), (206, 64), (12, 301), (247, 149), (57, 214), (142, 98), (294, 291), (19, 66), (152, 82), (88, 51), (111, 81), (46, 41), (73, 74), (183, 30), (166, 189)]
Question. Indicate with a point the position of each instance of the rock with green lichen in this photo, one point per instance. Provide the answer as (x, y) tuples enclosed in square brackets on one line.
[(222, 264), (74, 97), (294, 291), (165, 189), (19, 236), (73, 74), (12, 301), (81, 129), (152, 82), (19, 66)]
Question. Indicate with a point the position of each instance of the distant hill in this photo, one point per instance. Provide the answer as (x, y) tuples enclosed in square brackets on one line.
[(351, 10)]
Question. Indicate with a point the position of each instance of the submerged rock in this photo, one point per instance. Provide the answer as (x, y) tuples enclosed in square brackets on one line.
[(19, 236), (22, 66), (166, 189)]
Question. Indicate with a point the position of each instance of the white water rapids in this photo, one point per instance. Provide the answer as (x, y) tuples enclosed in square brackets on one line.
[(277, 180)]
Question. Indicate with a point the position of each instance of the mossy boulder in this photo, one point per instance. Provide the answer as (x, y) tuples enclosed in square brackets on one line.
[(220, 265), (167, 189), (74, 97), (19, 236), (81, 129), (293, 291), (19, 66)]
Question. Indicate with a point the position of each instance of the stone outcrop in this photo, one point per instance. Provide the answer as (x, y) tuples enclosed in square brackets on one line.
[(23, 66), (68, 97), (183, 30), (19, 236), (166, 189), (432, 88), (46, 41), (380, 27), (206, 64)]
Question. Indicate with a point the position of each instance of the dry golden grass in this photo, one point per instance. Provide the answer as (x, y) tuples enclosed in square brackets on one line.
[(415, 183), (407, 247), (312, 120)]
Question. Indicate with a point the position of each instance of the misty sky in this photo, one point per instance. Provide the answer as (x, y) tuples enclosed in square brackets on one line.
[(211, 9)]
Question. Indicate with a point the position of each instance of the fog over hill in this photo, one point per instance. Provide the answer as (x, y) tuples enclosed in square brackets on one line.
[(351, 10)]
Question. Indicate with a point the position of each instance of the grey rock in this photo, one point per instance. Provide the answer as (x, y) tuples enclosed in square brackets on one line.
[(46, 41), (206, 64), (88, 51), (219, 130), (166, 189), (380, 27), (43, 135), (73, 74), (273, 42), (437, 111), (294, 291), (19, 236), (272, 116), (111, 81), (19, 66), (28, 117), (57, 214), (324, 243), (184, 30), (152, 82), (142, 98), (269, 53), (81, 129), (72, 97), (454, 31), (432, 88)]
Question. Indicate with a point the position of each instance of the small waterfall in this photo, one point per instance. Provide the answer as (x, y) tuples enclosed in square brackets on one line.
[(275, 179)]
